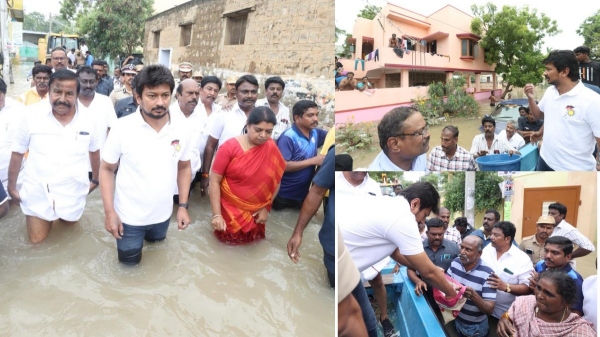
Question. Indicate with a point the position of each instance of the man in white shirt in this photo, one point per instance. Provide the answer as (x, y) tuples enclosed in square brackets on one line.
[(512, 267), (274, 87), (11, 112), (152, 152), (510, 136), (559, 211), (404, 141), (61, 140), (488, 142), (229, 123), (208, 109), (570, 114), (371, 232), (184, 110)]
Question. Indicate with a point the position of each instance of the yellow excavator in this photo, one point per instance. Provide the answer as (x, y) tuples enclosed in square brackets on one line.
[(53, 40)]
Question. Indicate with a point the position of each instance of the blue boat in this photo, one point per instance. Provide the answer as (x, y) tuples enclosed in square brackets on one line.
[(410, 314)]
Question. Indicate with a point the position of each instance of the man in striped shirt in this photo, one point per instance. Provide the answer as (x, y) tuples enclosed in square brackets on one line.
[(559, 211), (470, 270), (449, 156)]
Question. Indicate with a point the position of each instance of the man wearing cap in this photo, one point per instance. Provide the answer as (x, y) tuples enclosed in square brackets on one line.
[(228, 99), (197, 76), (129, 73), (128, 105), (533, 245), (273, 92)]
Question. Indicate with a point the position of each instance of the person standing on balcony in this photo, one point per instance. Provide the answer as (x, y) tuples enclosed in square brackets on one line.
[(404, 141)]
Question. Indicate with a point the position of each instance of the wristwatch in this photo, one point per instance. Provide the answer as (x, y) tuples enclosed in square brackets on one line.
[(184, 205), (507, 288)]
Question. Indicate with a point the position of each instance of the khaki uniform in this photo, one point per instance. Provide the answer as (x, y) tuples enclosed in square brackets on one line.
[(118, 94), (537, 250), (224, 102)]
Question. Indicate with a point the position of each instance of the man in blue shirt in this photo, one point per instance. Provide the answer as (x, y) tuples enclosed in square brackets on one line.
[(299, 145), (324, 180), (557, 254)]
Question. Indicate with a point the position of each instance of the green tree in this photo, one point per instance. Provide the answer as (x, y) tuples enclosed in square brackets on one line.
[(590, 31), (369, 12), (512, 40), (433, 178), (35, 21), (338, 32), (487, 192), (126, 20), (346, 53)]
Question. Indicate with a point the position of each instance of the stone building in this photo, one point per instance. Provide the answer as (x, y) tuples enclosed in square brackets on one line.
[(291, 39)]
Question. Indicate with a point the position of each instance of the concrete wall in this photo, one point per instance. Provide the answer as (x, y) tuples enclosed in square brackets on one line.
[(290, 39), (587, 216)]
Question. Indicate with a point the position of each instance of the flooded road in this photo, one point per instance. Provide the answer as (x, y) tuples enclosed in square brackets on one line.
[(191, 284)]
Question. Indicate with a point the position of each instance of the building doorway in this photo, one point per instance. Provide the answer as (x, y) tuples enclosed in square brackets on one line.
[(164, 57), (537, 201)]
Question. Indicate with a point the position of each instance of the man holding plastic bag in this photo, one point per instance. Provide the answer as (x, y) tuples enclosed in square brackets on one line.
[(471, 271)]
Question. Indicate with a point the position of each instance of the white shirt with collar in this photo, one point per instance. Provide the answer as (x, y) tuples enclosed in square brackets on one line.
[(513, 267), (567, 230), (516, 141), (383, 163), (56, 171), (207, 122), (573, 121), (480, 144), (103, 112), (10, 118), (229, 124), (194, 122), (148, 167), (284, 120), (368, 186)]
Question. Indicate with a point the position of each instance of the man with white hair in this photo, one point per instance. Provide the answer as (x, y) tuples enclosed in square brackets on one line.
[(510, 136)]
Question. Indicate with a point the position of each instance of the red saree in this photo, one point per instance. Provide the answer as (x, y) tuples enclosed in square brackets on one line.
[(249, 182)]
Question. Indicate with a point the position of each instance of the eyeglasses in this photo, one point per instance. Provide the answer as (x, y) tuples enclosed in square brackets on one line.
[(59, 59), (416, 134)]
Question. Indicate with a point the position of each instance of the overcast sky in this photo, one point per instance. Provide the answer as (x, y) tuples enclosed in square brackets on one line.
[(568, 18)]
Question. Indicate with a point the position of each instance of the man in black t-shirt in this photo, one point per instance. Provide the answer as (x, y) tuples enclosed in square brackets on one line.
[(589, 71)]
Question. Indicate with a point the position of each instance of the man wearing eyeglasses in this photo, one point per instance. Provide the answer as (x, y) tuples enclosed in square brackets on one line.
[(58, 59), (404, 141)]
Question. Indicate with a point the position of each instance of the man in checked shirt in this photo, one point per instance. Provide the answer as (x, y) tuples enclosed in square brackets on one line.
[(449, 156)]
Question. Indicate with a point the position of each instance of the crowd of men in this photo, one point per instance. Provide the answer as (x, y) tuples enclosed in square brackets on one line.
[(75, 130), (488, 261)]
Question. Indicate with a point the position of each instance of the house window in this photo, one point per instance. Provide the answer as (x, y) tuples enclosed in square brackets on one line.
[(236, 29), (468, 48), (432, 47), (156, 40), (186, 35)]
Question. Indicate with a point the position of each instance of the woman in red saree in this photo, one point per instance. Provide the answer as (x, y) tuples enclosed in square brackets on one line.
[(244, 179)]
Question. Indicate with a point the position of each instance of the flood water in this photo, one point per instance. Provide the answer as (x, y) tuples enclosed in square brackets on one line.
[(191, 284)]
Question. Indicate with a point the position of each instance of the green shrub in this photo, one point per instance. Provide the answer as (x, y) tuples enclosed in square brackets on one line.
[(458, 102), (354, 136)]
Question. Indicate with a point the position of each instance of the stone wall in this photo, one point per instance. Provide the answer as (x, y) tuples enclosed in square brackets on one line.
[(291, 39)]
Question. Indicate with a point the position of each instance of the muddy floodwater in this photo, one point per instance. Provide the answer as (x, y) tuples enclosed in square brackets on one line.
[(191, 284)]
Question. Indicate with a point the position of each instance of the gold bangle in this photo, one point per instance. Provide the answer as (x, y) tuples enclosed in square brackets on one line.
[(505, 315), (216, 216), (205, 175)]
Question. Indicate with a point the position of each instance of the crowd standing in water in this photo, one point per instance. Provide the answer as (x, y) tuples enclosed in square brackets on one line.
[(78, 129)]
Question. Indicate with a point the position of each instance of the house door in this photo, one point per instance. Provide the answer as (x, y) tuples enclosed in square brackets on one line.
[(164, 57), (367, 48), (538, 199)]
